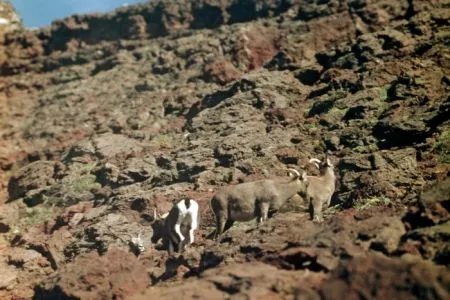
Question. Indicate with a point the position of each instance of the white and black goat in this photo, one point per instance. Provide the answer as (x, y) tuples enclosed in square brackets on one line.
[(177, 227)]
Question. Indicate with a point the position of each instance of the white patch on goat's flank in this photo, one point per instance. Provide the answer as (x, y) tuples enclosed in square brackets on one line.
[(183, 211), (4, 21), (193, 208)]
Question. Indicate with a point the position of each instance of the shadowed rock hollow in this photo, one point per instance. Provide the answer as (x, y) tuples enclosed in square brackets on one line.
[(106, 118)]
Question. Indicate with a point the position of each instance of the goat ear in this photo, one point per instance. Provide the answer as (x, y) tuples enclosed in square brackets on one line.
[(303, 176), (164, 216), (155, 216), (329, 162)]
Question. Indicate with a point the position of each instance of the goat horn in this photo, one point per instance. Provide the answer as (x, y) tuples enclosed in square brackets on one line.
[(295, 172), (314, 160)]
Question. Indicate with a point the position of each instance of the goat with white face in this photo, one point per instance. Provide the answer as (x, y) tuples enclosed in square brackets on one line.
[(321, 188), (247, 201), (177, 227)]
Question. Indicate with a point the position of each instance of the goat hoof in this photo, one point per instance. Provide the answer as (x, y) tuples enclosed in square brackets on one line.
[(317, 220)]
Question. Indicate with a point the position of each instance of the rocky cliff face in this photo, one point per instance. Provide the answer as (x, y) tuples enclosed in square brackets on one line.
[(9, 19), (107, 118)]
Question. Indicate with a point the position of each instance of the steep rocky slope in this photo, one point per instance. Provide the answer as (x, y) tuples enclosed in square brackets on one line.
[(107, 118)]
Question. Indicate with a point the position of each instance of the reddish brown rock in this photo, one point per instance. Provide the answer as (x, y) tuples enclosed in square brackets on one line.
[(253, 280), (382, 278), (9, 215), (222, 72), (34, 176), (255, 46), (117, 275), (137, 108)]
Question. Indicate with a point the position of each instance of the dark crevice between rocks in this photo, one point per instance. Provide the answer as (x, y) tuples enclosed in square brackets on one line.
[(417, 219), (208, 260), (326, 59), (187, 173), (164, 163), (319, 92), (390, 136), (207, 16), (106, 65), (59, 222), (258, 103), (355, 113), (254, 251), (41, 293), (172, 264), (16, 263), (138, 177), (442, 256), (93, 237), (320, 107), (45, 253), (446, 204), (237, 284), (379, 247), (363, 236), (423, 48), (281, 61), (209, 101), (275, 116), (223, 159), (297, 261), (287, 159), (307, 76), (216, 98), (139, 204), (442, 116), (4, 228), (165, 178), (242, 11), (410, 12), (300, 261)]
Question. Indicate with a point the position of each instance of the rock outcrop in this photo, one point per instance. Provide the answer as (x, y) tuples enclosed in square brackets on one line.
[(107, 118)]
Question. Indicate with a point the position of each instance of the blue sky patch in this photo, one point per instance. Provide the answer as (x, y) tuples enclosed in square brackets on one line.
[(37, 13)]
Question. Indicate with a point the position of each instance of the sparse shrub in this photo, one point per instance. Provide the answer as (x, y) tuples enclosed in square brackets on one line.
[(383, 92), (163, 140), (365, 203), (84, 183), (38, 215), (442, 146)]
